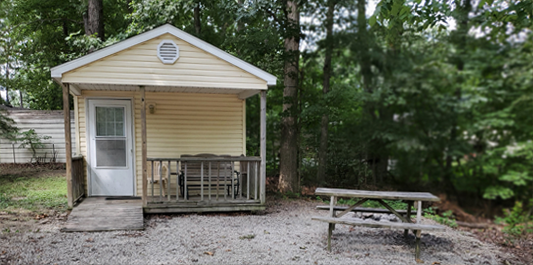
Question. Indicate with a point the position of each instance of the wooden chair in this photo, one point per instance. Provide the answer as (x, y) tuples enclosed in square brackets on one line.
[(159, 173), (222, 175)]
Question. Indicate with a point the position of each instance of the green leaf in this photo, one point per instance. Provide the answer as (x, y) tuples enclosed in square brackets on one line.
[(517, 178), (372, 20), (494, 192)]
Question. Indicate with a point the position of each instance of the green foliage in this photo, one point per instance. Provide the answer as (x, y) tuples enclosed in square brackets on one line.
[(446, 218), (7, 126), (31, 140), (33, 194), (517, 220)]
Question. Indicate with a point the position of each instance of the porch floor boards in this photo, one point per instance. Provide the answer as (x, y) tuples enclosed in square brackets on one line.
[(95, 214)]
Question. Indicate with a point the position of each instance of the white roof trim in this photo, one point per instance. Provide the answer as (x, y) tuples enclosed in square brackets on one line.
[(58, 71)]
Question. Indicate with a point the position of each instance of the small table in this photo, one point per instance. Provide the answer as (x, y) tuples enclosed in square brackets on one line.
[(364, 195)]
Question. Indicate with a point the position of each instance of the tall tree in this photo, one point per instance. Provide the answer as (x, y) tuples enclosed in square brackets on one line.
[(371, 112), (459, 39), (323, 149), (197, 22), (94, 19), (289, 180)]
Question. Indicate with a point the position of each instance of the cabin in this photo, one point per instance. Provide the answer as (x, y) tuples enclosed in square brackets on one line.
[(162, 116)]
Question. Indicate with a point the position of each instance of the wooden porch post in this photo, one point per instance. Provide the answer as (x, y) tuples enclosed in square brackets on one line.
[(144, 147), (68, 143), (263, 147)]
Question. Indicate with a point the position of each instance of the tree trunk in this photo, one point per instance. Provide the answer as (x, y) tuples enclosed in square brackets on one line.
[(197, 24), (376, 154), (323, 149), (288, 180), (459, 39), (366, 72), (7, 81), (363, 39), (21, 100), (130, 7), (240, 27), (65, 28), (94, 20)]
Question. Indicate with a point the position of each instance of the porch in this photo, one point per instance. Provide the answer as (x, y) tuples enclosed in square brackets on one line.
[(205, 184)]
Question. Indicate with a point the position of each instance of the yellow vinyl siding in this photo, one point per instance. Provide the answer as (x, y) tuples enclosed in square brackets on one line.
[(139, 65), (79, 113), (183, 123)]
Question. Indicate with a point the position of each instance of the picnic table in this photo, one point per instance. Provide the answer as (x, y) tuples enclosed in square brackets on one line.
[(410, 198)]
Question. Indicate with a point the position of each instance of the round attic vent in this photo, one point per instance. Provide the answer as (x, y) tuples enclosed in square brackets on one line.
[(168, 52)]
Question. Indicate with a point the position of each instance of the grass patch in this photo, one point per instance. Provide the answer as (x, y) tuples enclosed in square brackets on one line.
[(446, 218), (34, 194)]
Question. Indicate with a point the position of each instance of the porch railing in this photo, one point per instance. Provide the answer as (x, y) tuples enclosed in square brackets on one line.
[(204, 180), (78, 178)]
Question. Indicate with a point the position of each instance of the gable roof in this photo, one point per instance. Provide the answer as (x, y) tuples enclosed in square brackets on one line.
[(58, 71)]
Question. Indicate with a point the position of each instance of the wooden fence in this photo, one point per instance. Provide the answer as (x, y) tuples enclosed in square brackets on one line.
[(45, 123)]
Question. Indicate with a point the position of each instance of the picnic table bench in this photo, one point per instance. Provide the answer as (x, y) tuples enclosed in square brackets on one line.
[(363, 195)]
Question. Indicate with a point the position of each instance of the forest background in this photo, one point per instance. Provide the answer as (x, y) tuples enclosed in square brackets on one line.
[(432, 95)]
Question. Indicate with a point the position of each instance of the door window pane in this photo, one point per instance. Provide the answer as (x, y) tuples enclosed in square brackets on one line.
[(111, 153), (110, 121)]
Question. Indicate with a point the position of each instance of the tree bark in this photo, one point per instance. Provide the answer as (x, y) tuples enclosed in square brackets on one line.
[(130, 7), (288, 180), (376, 153), (240, 26), (463, 9), (65, 28), (363, 39), (323, 149), (7, 81), (368, 108), (197, 24), (94, 20)]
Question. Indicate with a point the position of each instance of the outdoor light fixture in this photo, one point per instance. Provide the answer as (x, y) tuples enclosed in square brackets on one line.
[(151, 108)]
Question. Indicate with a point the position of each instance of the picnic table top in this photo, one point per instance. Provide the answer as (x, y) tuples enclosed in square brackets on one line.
[(386, 195)]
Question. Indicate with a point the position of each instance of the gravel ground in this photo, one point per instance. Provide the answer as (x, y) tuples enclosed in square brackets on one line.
[(283, 234)]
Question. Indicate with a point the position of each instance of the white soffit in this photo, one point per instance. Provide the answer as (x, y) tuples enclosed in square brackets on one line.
[(58, 71)]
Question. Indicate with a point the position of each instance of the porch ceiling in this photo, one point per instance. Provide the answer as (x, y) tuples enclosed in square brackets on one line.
[(76, 88)]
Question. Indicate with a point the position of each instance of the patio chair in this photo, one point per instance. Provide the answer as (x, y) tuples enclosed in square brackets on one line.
[(158, 174)]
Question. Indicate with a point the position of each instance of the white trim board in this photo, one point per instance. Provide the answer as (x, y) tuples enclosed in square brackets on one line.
[(58, 71)]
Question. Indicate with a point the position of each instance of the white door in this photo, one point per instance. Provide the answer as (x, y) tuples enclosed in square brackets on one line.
[(110, 148)]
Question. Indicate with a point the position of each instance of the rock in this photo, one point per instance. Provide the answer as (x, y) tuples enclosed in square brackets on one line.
[(367, 215), (376, 217)]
